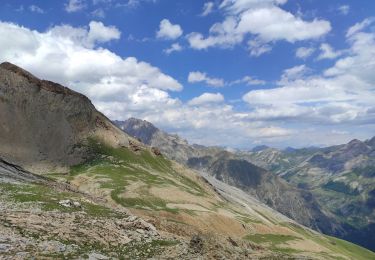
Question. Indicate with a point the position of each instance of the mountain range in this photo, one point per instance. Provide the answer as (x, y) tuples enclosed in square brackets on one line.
[(328, 189), (75, 186), (341, 178)]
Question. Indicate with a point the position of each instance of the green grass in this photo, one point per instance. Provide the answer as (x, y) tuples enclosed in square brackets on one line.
[(247, 220), (274, 242), (340, 187), (48, 199), (120, 167), (273, 239)]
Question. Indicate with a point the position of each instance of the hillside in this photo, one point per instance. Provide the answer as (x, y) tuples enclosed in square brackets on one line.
[(234, 170), (119, 198), (341, 178)]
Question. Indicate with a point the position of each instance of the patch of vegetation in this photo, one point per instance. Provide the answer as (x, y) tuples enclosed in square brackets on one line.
[(151, 203), (248, 220), (339, 186), (48, 199), (273, 239), (117, 168)]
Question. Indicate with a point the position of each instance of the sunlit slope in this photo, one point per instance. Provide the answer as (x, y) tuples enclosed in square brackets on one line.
[(182, 203)]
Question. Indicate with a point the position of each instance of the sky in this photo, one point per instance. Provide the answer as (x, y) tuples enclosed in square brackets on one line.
[(234, 73)]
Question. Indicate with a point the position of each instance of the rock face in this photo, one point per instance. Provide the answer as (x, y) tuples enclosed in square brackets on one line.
[(232, 169), (10, 173), (51, 122)]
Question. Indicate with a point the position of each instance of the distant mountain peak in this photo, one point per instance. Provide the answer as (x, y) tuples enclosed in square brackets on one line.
[(260, 148)]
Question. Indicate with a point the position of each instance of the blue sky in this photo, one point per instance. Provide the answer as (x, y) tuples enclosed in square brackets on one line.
[(236, 73)]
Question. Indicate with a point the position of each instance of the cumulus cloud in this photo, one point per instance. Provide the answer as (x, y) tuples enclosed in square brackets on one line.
[(207, 8), (75, 5), (344, 94), (304, 52), (264, 21), (66, 54), (175, 47), (197, 76), (206, 98), (96, 33), (169, 31)]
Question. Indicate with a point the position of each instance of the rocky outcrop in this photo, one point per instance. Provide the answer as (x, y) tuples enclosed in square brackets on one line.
[(44, 126), (10, 173)]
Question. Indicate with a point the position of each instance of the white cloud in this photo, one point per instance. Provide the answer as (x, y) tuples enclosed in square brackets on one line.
[(36, 9), (293, 73), (359, 26), (97, 33), (197, 76), (63, 54), (304, 52), (175, 47), (257, 47), (75, 5), (169, 31), (344, 9), (265, 21), (327, 52), (206, 98), (207, 8), (344, 94), (248, 80), (100, 33), (222, 35), (239, 6), (272, 24)]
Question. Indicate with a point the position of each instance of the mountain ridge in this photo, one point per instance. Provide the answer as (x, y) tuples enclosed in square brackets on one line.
[(232, 169)]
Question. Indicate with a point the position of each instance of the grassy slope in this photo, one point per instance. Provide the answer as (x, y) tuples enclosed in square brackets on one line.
[(116, 169)]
